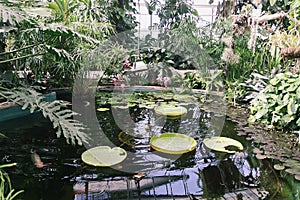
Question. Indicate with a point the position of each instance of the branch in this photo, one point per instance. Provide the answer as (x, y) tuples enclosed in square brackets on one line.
[(280, 15), (265, 18)]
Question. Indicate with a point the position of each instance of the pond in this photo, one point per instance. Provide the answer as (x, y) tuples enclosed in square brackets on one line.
[(145, 173)]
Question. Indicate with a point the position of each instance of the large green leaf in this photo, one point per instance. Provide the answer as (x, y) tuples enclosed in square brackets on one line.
[(103, 156), (220, 144), (287, 118), (170, 110), (298, 92), (260, 113), (173, 143), (292, 107), (292, 87), (298, 122)]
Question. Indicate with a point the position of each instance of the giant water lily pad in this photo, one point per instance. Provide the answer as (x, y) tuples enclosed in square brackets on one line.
[(102, 109), (173, 143), (170, 110), (221, 143), (103, 156)]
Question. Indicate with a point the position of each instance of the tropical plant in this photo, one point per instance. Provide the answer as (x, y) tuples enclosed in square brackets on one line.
[(50, 50), (278, 105), (119, 14), (31, 49), (172, 12), (62, 9), (253, 86), (285, 44), (56, 112)]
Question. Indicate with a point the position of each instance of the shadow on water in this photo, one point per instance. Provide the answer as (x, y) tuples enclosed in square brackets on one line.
[(146, 173)]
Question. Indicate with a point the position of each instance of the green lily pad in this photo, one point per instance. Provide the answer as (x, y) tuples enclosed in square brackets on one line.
[(131, 104), (184, 97), (170, 111), (148, 105), (103, 109), (260, 156), (121, 106), (279, 167), (293, 171), (221, 143), (103, 156), (291, 163), (173, 143)]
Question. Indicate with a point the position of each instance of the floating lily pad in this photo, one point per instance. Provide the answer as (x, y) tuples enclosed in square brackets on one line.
[(103, 156), (170, 103), (293, 171), (103, 109), (221, 143), (291, 163), (260, 156), (121, 106), (170, 111), (173, 143), (257, 151), (131, 104), (128, 139), (148, 105), (184, 97), (297, 177), (279, 167)]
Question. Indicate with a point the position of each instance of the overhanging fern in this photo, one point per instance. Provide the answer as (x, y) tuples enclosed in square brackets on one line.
[(10, 15), (55, 111)]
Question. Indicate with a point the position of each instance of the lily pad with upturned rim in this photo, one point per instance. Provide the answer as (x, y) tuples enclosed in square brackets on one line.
[(170, 111), (103, 156), (220, 143), (173, 143), (102, 109)]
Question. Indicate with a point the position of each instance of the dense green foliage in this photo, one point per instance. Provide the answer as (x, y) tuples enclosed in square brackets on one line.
[(279, 103), (46, 44), (50, 44)]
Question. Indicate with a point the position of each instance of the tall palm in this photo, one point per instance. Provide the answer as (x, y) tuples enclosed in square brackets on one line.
[(62, 8)]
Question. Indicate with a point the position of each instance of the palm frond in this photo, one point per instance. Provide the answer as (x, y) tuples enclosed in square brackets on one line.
[(10, 15)]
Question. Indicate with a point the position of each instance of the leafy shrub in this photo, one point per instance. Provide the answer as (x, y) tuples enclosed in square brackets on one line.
[(279, 103)]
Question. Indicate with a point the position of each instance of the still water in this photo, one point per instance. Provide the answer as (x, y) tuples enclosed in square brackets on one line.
[(145, 174)]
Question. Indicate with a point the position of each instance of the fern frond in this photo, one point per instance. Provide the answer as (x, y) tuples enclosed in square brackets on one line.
[(56, 112), (10, 15)]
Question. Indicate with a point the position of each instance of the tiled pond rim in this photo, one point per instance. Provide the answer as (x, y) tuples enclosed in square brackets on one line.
[(66, 177)]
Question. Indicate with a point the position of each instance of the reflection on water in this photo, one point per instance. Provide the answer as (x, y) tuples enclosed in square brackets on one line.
[(63, 176)]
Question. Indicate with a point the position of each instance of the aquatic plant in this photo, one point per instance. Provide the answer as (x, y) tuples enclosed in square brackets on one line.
[(6, 190), (279, 147)]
